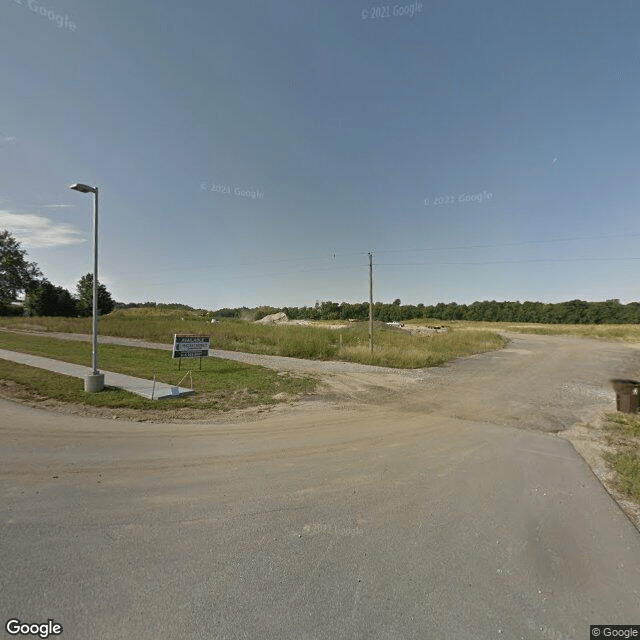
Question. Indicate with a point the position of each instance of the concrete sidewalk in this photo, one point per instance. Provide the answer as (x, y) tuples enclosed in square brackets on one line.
[(139, 386)]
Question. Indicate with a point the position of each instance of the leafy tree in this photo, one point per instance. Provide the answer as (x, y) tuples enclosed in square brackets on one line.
[(380, 312), (532, 312), (613, 311), (263, 311), (84, 290), (631, 313), (572, 311), (230, 313), (48, 300), (452, 312), (131, 305), (510, 311), (16, 273), (330, 310)]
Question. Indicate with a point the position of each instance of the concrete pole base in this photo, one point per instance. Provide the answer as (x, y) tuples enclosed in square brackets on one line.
[(94, 382)]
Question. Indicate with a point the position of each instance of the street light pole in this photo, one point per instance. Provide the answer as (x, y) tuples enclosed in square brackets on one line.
[(95, 283), (94, 381)]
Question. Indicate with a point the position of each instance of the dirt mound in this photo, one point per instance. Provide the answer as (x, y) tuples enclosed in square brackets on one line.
[(274, 318)]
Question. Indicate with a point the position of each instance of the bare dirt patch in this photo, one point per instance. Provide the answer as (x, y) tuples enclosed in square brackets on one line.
[(10, 390)]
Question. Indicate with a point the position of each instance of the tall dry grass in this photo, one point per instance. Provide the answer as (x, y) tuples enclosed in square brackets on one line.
[(392, 348), (616, 332), (397, 349)]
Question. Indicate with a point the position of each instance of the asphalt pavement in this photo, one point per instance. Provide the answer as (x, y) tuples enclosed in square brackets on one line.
[(380, 522)]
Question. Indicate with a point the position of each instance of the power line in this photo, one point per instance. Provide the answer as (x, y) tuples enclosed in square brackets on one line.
[(417, 264), (252, 276), (510, 244), (326, 256), (330, 255), (390, 264)]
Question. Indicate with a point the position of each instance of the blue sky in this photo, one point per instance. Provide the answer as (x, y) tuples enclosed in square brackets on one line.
[(253, 153)]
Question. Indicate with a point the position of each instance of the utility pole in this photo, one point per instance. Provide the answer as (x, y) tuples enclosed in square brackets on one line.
[(370, 302)]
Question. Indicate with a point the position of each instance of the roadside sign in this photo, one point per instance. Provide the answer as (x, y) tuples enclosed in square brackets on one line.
[(190, 346)]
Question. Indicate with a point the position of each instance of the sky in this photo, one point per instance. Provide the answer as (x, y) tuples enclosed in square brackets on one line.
[(254, 153)]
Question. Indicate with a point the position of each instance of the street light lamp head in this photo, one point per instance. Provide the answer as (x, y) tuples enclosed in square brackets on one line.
[(83, 188)]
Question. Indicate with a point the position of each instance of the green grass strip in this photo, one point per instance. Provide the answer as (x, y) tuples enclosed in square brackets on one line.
[(623, 433), (68, 389), (627, 465), (222, 384)]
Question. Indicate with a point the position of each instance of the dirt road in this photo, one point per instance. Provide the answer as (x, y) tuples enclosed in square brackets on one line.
[(545, 383)]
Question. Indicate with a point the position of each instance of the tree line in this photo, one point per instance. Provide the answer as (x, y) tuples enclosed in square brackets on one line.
[(41, 297), (571, 312)]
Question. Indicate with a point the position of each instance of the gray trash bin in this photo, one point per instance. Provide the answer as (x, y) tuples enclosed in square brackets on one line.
[(626, 395)]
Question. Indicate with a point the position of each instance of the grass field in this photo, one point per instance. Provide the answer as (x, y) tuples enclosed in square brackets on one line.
[(623, 433), (618, 332), (392, 348), (160, 325), (395, 349), (221, 384)]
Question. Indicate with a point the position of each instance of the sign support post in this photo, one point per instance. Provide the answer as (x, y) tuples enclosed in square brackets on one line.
[(190, 347)]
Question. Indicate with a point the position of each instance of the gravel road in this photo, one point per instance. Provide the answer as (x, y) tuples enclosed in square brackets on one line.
[(546, 383)]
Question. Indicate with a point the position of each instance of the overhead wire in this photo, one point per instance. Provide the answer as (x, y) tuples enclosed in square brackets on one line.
[(334, 255), (510, 244), (417, 264), (326, 256)]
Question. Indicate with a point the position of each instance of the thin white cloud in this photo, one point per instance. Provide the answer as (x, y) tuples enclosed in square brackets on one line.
[(4, 140), (56, 206), (34, 231)]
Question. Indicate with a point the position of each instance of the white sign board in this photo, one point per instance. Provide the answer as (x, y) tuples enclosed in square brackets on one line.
[(190, 346)]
